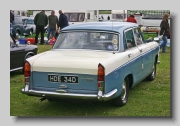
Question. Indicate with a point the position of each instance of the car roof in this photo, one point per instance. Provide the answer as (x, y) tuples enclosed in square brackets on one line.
[(101, 26), (27, 17)]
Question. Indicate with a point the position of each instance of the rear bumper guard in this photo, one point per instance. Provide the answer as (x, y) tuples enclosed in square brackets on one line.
[(100, 96)]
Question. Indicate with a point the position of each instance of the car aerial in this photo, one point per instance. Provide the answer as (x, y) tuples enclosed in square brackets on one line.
[(19, 27), (18, 54), (97, 61), (30, 22)]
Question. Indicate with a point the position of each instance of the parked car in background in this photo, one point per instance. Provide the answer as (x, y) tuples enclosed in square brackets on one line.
[(92, 61), (19, 28), (19, 53), (30, 23)]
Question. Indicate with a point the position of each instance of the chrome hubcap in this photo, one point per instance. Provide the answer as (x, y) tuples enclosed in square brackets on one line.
[(123, 93), (153, 73)]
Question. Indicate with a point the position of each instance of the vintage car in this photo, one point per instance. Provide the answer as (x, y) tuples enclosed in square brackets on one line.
[(19, 53), (30, 23), (19, 27), (92, 61)]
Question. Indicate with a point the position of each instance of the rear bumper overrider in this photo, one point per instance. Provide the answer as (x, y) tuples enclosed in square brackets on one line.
[(99, 96)]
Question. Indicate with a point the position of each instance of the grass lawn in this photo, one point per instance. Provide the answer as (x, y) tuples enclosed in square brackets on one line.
[(145, 99)]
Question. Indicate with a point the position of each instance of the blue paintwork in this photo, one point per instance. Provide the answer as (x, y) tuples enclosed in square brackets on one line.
[(40, 81), (100, 26), (115, 79)]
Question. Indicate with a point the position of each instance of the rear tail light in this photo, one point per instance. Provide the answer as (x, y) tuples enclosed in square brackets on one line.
[(27, 69), (101, 75), (27, 72)]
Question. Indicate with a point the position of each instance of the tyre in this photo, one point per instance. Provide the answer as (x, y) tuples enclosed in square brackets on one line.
[(17, 33), (123, 98), (31, 32), (152, 76)]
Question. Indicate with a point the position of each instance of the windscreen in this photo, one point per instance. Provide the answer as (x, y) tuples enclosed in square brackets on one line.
[(88, 40)]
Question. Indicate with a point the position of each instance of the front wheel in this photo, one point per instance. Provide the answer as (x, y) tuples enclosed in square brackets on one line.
[(31, 32), (152, 76), (123, 98)]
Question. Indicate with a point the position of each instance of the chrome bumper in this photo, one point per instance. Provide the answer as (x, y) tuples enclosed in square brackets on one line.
[(99, 96)]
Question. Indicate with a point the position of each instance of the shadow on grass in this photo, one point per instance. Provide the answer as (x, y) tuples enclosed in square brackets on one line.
[(16, 73), (71, 108)]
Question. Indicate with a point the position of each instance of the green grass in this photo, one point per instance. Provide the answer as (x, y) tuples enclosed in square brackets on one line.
[(145, 99), (104, 11)]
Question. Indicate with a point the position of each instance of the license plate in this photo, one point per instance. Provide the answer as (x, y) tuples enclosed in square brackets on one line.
[(63, 79)]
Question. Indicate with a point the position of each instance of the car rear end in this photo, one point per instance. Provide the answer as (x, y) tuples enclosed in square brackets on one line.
[(80, 80)]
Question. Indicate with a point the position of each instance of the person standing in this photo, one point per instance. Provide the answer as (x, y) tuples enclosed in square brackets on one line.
[(108, 18), (131, 19), (40, 20), (63, 21), (164, 25), (102, 17), (53, 22), (11, 20)]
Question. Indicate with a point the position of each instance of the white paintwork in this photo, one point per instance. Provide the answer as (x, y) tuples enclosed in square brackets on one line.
[(69, 61), (91, 12), (152, 22), (119, 59), (122, 12), (80, 61)]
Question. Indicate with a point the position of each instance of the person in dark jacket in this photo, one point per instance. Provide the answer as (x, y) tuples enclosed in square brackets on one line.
[(11, 21), (40, 20), (164, 31), (108, 17), (63, 21), (131, 19)]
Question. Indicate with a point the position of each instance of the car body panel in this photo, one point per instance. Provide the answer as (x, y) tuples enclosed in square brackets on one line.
[(18, 54), (19, 26), (136, 61), (30, 23)]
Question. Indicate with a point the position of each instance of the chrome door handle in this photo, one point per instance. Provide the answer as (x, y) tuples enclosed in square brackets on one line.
[(129, 54)]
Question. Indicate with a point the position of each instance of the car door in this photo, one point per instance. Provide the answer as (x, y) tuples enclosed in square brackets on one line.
[(145, 52), (21, 25), (17, 55), (134, 54)]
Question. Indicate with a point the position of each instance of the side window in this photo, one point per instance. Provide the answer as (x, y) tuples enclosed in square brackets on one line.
[(18, 20), (130, 39), (137, 36)]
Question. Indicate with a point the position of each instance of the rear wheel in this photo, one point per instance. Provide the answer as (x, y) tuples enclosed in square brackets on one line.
[(123, 98)]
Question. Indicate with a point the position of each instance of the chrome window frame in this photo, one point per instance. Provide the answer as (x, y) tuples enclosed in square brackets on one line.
[(68, 31)]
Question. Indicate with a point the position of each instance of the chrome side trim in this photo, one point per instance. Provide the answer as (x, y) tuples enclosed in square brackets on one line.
[(19, 68), (98, 96)]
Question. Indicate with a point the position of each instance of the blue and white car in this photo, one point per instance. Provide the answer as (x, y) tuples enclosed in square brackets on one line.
[(92, 61)]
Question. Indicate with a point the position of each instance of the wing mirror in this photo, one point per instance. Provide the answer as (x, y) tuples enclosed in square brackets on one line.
[(157, 39)]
